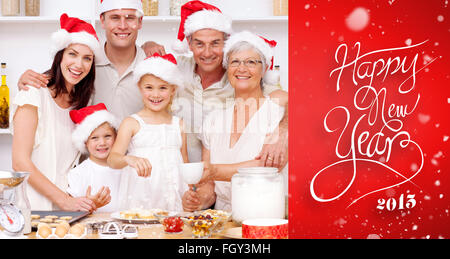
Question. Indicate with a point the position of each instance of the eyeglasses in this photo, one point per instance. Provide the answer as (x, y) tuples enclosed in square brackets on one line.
[(250, 63)]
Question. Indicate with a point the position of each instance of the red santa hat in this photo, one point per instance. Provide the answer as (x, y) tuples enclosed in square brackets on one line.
[(196, 15), (74, 30), (264, 45), (108, 5), (165, 67), (87, 119)]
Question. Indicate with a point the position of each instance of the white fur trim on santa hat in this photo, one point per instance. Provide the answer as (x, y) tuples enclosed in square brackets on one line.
[(180, 47), (88, 125), (271, 77), (207, 19), (61, 39), (108, 5), (161, 68)]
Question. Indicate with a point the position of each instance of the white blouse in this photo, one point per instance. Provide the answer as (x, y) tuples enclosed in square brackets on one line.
[(53, 153), (216, 134)]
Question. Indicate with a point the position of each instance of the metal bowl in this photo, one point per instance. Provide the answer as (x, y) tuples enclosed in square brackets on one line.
[(12, 179)]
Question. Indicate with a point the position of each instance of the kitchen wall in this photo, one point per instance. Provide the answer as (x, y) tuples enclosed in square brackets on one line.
[(24, 43)]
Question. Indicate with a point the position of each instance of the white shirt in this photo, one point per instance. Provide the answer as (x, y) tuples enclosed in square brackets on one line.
[(120, 94), (89, 173)]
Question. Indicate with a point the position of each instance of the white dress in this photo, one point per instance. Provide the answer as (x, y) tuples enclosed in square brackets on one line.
[(161, 145), (53, 152), (216, 138), (89, 173)]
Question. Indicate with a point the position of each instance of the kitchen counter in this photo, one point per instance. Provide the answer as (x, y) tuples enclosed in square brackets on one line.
[(150, 231)]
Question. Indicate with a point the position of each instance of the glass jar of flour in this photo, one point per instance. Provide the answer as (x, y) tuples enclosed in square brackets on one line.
[(257, 192)]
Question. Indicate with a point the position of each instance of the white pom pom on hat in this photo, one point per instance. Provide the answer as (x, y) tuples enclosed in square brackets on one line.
[(196, 15)]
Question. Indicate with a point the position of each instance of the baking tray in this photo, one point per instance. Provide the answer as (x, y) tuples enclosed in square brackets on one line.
[(76, 215)]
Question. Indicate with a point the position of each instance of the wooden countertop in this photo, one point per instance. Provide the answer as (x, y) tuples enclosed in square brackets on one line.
[(150, 231)]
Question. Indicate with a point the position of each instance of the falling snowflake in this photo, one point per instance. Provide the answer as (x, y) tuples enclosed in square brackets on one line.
[(408, 42), (440, 18), (423, 118), (358, 19)]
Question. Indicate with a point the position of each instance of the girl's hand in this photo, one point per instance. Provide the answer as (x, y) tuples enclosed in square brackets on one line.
[(101, 198), (142, 165), (77, 204)]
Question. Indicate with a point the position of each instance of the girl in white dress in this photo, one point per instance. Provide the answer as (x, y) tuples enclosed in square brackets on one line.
[(155, 141), (233, 138), (94, 135), (41, 124)]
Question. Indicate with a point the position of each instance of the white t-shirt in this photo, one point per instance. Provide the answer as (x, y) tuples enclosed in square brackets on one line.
[(91, 174)]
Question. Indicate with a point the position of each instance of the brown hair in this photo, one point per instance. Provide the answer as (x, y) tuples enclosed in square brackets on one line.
[(82, 91)]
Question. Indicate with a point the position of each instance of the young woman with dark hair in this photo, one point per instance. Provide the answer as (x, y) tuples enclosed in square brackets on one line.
[(42, 127)]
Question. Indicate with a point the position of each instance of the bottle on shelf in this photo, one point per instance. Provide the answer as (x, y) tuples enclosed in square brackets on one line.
[(280, 7), (32, 7), (10, 7), (175, 7), (4, 100), (150, 7), (277, 69)]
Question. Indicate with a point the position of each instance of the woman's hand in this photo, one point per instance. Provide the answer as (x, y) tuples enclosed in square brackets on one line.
[(203, 197), (70, 203), (101, 198), (142, 165), (275, 150), (190, 201), (209, 172)]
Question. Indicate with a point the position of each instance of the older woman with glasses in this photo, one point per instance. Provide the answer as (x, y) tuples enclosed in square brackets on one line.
[(232, 138)]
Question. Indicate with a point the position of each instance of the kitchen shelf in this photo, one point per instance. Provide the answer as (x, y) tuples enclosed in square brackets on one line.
[(175, 19), (33, 19), (5, 131)]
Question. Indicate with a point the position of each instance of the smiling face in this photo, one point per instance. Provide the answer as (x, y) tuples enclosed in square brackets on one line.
[(100, 142), (121, 27), (207, 47), (156, 93), (247, 74), (76, 63)]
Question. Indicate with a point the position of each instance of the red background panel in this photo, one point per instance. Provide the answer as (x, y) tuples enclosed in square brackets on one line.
[(361, 179)]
